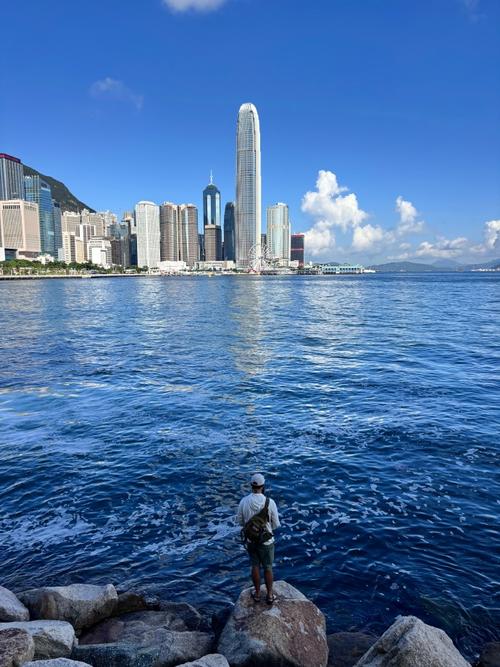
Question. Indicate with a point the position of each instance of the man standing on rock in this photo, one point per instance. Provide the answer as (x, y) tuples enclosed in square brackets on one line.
[(259, 517)]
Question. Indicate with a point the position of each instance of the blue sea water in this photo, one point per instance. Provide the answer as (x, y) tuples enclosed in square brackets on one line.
[(133, 411)]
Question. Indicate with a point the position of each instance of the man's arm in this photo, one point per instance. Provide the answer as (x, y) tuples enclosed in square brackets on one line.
[(275, 520), (239, 515)]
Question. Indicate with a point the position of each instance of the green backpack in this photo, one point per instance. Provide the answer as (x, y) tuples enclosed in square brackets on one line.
[(255, 530)]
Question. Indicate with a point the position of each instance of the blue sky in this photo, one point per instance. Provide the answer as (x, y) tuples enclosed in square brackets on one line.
[(128, 100)]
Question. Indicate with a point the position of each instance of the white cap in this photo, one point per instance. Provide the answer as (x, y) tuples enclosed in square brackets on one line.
[(258, 479)]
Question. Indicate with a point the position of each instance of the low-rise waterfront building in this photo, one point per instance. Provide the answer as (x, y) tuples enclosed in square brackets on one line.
[(170, 267), (220, 265), (19, 229), (339, 269)]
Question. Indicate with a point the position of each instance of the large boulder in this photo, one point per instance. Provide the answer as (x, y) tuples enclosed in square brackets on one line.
[(212, 660), (290, 633), (11, 609), (490, 655), (411, 643), (346, 648), (82, 605), (53, 639), (56, 662), (143, 639), (16, 647), (129, 601)]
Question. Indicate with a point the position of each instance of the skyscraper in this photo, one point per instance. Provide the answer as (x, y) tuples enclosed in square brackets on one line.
[(188, 228), (147, 217), (212, 222), (11, 177), (38, 191), (297, 249), (213, 243), (248, 185), (169, 232), (229, 243), (278, 232), (211, 204), (56, 214)]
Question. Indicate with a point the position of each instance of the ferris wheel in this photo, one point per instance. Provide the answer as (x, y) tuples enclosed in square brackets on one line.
[(259, 258)]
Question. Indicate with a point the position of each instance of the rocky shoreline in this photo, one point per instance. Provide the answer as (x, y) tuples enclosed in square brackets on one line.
[(84, 625)]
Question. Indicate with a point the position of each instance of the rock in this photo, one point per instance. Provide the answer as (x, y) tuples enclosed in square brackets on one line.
[(135, 627), (490, 655), (57, 662), (411, 643), (191, 616), (133, 601), (82, 605), (290, 633), (143, 639), (11, 609), (117, 655), (220, 618), (53, 639), (16, 647), (346, 648), (212, 660)]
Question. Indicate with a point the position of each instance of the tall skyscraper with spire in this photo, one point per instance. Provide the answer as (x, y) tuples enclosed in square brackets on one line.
[(248, 185), (211, 204)]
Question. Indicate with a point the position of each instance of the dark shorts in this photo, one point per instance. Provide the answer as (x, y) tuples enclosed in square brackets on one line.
[(261, 554)]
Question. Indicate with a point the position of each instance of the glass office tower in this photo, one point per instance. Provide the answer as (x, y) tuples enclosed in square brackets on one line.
[(211, 205), (38, 191), (229, 244), (248, 185)]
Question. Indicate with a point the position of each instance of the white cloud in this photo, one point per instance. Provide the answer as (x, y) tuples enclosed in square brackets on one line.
[(112, 89), (331, 209), (492, 235), (196, 5), (444, 248), (367, 237), (408, 223), (337, 215)]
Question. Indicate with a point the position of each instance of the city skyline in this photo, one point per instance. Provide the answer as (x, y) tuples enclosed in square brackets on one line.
[(382, 136)]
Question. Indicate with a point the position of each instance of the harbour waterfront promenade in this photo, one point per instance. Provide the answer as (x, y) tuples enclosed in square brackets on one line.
[(370, 403)]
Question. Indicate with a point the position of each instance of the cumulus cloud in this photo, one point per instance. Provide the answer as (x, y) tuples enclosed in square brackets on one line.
[(196, 5), (443, 248), (408, 214), (492, 235), (332, 209), (340, 226), (112, 89)]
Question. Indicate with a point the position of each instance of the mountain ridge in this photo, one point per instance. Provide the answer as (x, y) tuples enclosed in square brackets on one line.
[(60, 192)]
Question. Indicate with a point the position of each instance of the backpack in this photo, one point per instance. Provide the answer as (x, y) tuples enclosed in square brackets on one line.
[(255, 530)]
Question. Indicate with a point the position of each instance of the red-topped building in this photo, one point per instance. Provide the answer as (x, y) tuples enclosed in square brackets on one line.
[(297, 246)]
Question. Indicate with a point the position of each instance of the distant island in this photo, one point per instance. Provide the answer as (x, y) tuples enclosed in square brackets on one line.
[(443, 265)]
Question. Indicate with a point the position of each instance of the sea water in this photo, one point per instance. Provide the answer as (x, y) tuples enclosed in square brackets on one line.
[(134, 410)]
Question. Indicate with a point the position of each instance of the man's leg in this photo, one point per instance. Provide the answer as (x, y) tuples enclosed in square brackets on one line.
[(267, 562), (256, 579), (268, 576)]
